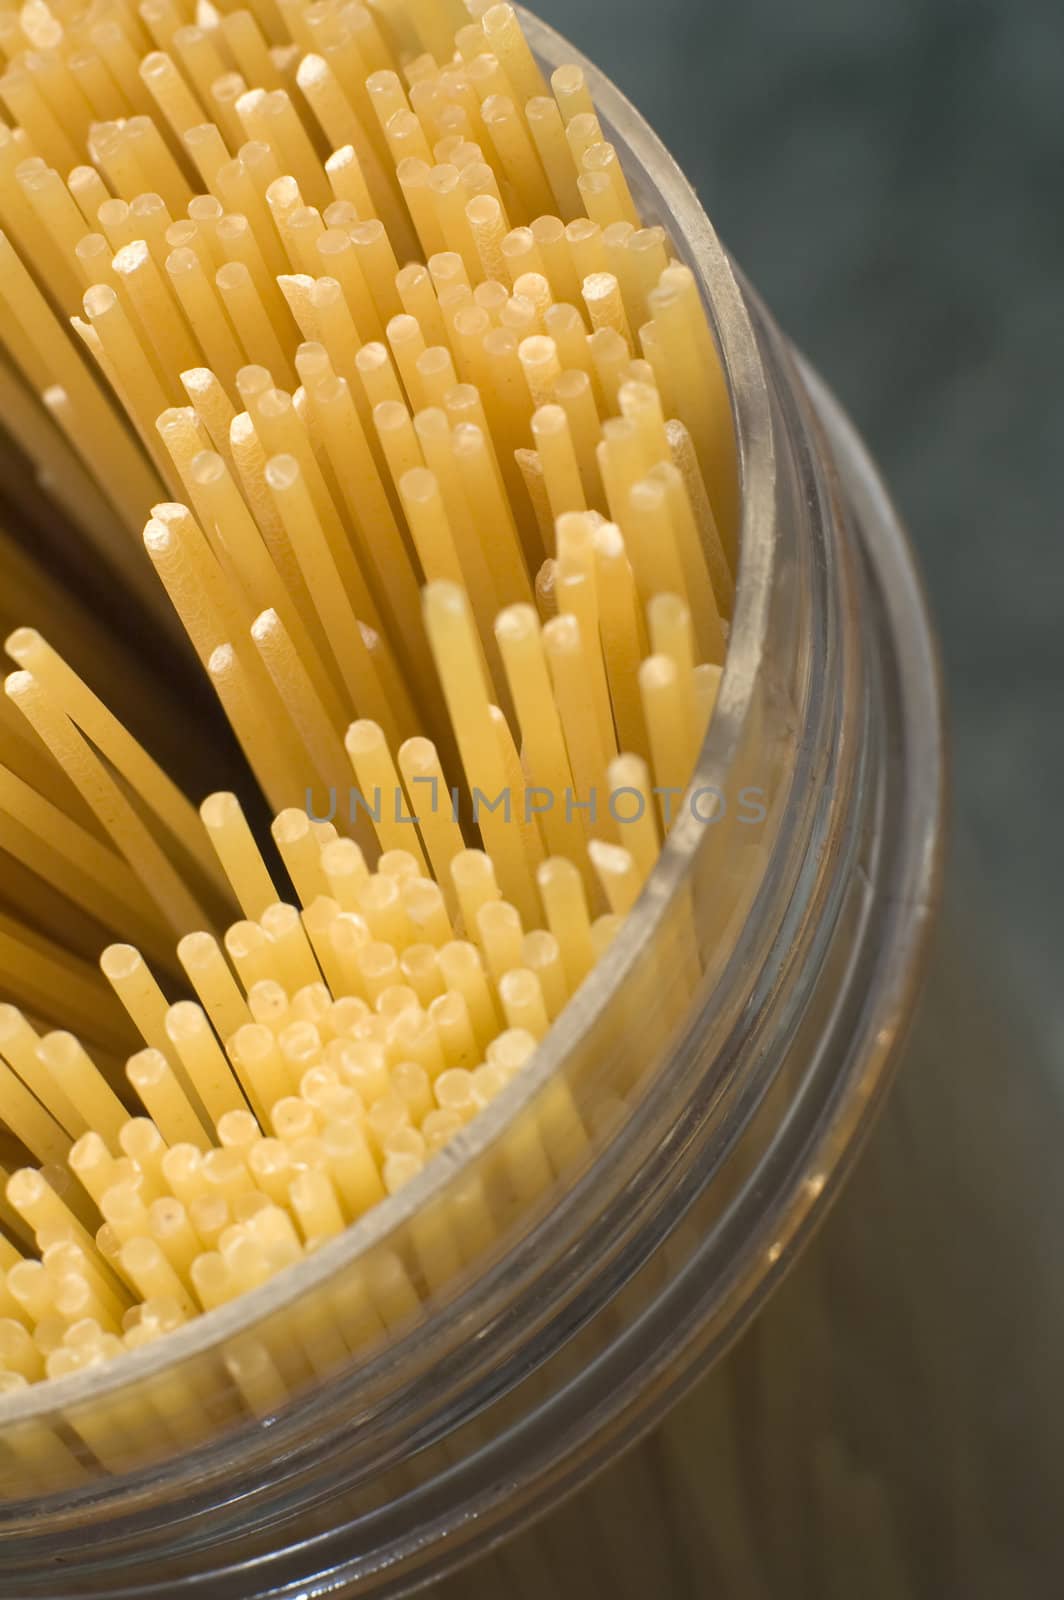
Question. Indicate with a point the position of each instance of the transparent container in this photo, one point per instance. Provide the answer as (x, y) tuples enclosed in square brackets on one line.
[(467, 1358)]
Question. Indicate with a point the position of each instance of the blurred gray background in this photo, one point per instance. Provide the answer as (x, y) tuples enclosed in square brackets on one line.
[(889, 175)]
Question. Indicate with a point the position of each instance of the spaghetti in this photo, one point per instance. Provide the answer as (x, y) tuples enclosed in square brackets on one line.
[(348, 328)]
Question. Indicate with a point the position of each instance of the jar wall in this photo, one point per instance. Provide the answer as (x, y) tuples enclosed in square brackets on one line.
[(824, 1454), (888, 1427)]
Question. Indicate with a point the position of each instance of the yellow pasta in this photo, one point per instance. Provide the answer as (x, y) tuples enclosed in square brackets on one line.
[(395, 347)]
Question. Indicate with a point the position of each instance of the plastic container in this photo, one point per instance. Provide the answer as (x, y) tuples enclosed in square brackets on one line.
[(598, 1239)]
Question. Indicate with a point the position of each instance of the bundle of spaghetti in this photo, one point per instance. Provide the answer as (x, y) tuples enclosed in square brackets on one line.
[(325, 1096), (350, 314)]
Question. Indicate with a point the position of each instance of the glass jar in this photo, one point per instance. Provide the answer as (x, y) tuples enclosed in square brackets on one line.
[(466, 1358)]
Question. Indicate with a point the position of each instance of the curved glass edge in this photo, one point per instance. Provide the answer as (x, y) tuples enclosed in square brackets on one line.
[(671, 1338)]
